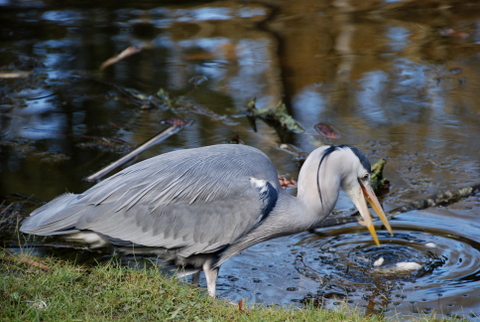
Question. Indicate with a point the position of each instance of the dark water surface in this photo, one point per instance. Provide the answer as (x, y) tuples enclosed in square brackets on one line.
[(398, 79)]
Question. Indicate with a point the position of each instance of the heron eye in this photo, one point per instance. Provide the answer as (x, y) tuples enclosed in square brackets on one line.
[(365, 176)]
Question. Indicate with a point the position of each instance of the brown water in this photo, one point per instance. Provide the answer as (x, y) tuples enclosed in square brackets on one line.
[(398, 79)]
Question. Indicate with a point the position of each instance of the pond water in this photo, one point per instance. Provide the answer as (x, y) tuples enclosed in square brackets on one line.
[(398, 79)]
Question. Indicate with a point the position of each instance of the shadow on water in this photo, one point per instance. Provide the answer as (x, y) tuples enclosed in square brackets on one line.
[(399, 79)]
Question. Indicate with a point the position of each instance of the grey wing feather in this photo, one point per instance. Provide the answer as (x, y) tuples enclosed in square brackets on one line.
[(195, 200)]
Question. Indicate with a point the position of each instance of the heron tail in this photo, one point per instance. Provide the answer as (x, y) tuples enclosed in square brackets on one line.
[(56, 217)]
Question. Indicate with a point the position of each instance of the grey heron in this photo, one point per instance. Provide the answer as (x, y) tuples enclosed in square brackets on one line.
[(199, 207)]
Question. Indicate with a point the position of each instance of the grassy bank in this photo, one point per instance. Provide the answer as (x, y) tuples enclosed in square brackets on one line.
[(46, 289)]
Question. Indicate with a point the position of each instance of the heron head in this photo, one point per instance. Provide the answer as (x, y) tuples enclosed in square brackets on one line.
[(356, 184)]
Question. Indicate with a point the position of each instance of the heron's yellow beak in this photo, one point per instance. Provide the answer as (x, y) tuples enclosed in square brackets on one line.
[(365, 213)]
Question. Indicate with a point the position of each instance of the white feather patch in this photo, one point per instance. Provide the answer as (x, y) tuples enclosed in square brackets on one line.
[(89, 237), (259, 184)]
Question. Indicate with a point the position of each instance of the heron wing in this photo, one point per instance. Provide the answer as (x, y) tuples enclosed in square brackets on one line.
[(194, 201)]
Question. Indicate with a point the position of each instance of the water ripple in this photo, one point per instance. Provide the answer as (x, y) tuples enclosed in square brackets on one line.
[(430, 263)]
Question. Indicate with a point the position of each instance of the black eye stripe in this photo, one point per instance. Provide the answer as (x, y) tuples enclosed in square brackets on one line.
[(363, 160)]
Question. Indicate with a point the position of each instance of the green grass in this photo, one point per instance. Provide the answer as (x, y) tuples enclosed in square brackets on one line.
[(47, 289)]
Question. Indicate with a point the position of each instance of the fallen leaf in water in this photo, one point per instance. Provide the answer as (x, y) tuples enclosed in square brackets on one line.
[(285, 183), (175, 121), (327, 130), (124, 54)]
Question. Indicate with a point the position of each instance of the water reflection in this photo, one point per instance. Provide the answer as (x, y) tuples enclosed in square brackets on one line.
[(397, 78)]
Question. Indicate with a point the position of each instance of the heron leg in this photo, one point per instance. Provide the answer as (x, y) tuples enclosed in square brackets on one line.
[(211, 275), (196, 278)]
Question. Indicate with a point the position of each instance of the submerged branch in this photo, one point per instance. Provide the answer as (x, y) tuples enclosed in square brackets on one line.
[(276, 117), (441, 198)]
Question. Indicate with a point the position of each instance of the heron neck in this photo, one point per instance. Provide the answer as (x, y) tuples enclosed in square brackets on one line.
[(316, 206), (319, 197)]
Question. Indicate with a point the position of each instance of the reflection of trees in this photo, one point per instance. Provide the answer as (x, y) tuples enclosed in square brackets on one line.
[(406, 67), (359, 64), (221, 43)]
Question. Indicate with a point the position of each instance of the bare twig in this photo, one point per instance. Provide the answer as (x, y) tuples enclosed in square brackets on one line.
[(124, 54), (175, 126), (18, 74), (24, 259)]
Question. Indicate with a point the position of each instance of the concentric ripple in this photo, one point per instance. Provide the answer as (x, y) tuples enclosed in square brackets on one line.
[(428, 265)]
